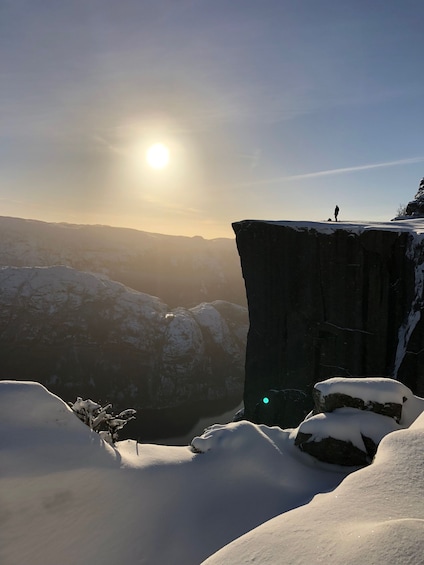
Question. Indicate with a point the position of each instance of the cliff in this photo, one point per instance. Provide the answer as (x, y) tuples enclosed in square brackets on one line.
[(329, 299)]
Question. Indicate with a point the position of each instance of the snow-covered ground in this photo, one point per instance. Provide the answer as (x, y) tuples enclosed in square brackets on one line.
[(375, 516), (415, 226), (68, 498)]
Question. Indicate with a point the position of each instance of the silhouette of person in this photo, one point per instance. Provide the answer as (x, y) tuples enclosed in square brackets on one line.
[(336, 212)]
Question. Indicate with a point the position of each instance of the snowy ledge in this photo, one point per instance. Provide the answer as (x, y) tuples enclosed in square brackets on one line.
[(415, 227)]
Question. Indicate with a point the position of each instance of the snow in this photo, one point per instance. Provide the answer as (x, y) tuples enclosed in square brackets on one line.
[(243, 491), (374, 516), (375, 389), (68, 497), (208, 317), (349, 424), (413, 226)]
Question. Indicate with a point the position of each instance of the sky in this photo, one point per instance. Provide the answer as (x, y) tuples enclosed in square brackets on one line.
[(270, 109)]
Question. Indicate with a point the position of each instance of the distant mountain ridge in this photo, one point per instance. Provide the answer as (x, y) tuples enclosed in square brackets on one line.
[(182, 271), (70, 319)]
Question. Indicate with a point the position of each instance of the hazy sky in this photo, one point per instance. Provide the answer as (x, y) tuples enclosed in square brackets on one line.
[(271, 109)]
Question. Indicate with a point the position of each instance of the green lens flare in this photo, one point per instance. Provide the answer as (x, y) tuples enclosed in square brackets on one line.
[(265, 400)]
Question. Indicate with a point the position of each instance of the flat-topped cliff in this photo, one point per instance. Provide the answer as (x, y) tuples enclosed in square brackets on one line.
[(330, 299)]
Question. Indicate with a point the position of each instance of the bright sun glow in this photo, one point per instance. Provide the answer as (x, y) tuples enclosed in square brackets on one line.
[(158, 156)]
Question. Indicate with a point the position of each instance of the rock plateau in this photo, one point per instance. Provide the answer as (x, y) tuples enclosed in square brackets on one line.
[(330, 299)]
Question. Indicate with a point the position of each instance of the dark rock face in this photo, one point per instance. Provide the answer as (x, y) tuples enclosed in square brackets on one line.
[(339, 400), (336, 451), (84, 335), (329, 299), (281, 407)]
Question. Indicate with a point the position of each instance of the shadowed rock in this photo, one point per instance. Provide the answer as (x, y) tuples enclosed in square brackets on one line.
[(328, 298)]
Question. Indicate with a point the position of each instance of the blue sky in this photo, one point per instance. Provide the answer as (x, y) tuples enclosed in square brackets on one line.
[(271, 109)]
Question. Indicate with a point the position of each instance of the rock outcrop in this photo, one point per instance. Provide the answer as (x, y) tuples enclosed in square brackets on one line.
[(82, 334), (352, 415), (330, 299)]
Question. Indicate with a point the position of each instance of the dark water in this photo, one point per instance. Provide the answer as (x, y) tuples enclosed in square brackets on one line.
[(178, 425)]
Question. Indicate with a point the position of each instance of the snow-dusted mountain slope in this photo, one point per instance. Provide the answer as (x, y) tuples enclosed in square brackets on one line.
[(182, 271), (85, 335)]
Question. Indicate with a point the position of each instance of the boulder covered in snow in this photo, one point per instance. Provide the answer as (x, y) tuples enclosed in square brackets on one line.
[(351, 417), (346, 436), (380, 395)]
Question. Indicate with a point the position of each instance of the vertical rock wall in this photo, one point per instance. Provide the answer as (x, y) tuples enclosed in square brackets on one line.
[(329, 300)]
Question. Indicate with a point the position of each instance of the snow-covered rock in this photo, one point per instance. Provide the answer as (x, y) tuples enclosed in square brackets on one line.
[(352, 416), (388, 397), (84, 335), (374, 516)]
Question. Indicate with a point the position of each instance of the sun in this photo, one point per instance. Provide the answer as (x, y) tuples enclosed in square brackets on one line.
[(157, 156)]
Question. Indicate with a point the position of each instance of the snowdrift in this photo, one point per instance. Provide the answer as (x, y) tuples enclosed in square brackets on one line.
[(375, 516), (241, 491)]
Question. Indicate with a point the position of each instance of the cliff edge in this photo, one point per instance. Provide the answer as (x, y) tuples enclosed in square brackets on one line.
[(329, 299)]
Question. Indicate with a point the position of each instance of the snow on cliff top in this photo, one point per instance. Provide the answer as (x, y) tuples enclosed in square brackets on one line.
[(413, 226), (67, 497)]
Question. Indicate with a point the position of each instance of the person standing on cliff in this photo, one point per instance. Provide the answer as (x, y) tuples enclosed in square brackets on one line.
[(336, 212)]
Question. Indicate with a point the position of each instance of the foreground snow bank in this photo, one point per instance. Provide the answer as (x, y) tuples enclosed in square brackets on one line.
[(374, 516), (68, 497)]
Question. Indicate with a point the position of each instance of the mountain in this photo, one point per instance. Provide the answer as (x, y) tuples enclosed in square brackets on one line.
[(82, 334), (181, 271), (152, 321)]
